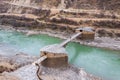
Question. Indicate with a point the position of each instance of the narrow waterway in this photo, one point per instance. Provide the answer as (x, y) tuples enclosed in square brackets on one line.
[(100, 62)]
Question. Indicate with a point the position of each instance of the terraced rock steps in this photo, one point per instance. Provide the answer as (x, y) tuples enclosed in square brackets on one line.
[(65, 20), (59, 19)]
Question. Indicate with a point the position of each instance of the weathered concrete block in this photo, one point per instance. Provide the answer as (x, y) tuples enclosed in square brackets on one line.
[(88, 33), (56, 58)]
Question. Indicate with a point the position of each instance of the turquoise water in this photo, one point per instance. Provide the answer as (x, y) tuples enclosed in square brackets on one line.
[(100, 62)]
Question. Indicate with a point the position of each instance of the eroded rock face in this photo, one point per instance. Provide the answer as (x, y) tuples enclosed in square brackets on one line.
[(12, 63), (8, 77), (3, 6), (77, 4), (108, 33), (48, 14), (5, 66)]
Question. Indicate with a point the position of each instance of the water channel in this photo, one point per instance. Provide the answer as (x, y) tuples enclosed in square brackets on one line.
[(100, 62)]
